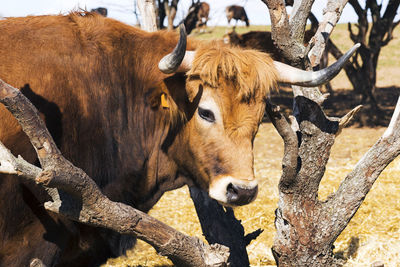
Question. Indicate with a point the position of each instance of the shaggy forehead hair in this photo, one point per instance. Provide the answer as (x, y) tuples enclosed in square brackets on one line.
[(251, 72)]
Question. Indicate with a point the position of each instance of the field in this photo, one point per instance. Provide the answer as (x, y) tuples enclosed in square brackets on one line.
[(374, 232)]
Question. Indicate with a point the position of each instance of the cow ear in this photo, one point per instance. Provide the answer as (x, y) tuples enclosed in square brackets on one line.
[(158, 96), (153, 97)]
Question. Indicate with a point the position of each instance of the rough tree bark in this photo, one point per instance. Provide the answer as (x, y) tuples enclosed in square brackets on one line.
[(76, 196), (306, 227), (290, 43), (147, 10)]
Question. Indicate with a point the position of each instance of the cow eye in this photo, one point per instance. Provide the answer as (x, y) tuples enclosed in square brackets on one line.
[(206, 114)]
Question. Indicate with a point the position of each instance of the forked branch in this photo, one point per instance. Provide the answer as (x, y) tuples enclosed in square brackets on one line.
[(330, 18), (83, 201), (289, 161), (357, 184)]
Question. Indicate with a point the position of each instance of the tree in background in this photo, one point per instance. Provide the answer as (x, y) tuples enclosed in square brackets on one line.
[(160, 9), (372, 36)]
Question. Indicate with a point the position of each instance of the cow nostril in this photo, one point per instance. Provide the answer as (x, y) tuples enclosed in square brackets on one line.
[(240, 195), (231, 192), (231, 189)]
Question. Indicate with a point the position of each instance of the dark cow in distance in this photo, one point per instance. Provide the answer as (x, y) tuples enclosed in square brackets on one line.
[(197, 16), (101, 10), (237, 13), (262, 41), (135, 117)]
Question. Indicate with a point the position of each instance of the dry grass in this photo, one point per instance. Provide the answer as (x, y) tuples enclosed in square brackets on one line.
[(374, 232)]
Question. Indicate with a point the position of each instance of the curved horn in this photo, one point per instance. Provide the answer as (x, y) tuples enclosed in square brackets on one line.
[(171, 62), (291, 75)]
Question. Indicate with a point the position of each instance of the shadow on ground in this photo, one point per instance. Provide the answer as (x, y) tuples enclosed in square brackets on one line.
[(350, 251), (344, 100)]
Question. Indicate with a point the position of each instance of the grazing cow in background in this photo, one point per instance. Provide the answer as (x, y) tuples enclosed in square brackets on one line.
[(197, 16), (204, 11), (262, 41), (237, 13), (136, 118), (101, 10)]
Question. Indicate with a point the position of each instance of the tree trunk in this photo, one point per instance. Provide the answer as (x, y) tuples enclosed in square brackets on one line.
[(300, 218), (363, 79), (306, 227), (147, 11)]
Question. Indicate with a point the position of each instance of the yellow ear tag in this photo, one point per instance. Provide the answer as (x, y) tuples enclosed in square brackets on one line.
[(164, 101)]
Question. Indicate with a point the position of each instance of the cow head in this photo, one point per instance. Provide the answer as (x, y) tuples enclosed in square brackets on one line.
[(226, 89)]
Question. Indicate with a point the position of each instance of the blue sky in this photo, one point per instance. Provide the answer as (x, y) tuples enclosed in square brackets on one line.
[(123, 9)]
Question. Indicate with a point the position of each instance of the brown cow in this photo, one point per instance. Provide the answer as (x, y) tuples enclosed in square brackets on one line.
[(203, 14), (197, 16), (237, 13), (137, 129), (260, 40)]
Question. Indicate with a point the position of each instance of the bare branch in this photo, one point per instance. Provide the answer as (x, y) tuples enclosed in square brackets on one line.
[(362, 26), (289, 162), (307, 227), (389, 34), (357, 8), (298, 18), (357, 184), (292, 49), (18, 166), (353, 36), (346, 119), (76, 196), (330, 18), (36, 130), (7, 161), (375, 10)]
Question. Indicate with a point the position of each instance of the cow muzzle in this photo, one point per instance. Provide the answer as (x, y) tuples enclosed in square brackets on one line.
[(233, 192)]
